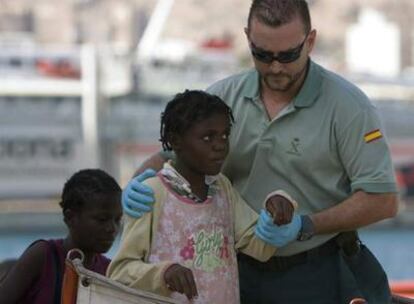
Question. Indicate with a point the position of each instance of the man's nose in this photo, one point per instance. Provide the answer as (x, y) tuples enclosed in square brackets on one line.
[(275, 66)]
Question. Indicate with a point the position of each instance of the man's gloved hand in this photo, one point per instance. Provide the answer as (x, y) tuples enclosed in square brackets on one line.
[(138, 198), (275, 235)]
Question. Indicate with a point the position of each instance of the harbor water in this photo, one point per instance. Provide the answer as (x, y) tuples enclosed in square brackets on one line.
[(392, 245)]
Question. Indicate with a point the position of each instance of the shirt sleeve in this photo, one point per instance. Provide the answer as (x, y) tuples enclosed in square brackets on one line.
[(130, 265), (244, 222), (365, 154)]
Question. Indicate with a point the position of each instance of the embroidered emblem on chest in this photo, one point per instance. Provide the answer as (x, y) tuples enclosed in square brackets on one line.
[(295, 147)]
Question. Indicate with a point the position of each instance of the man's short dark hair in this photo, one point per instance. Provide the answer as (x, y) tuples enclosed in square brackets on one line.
[(279, 12)]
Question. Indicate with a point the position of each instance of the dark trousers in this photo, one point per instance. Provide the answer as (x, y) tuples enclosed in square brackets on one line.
[(327, 279), (369, 276), (313, 282)]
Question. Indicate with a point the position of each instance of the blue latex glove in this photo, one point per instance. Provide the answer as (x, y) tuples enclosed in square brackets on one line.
[(138, 198), (275, 235)]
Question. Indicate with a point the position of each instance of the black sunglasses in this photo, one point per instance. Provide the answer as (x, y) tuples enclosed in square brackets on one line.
[(282, 57)]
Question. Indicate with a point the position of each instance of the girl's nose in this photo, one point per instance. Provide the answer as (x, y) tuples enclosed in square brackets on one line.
[(112, 226), (220, 145)]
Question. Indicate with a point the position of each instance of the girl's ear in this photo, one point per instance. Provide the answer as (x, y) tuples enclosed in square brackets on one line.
[(175, 141), (68, 216)]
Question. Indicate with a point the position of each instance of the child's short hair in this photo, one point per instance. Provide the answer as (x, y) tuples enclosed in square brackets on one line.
[(86, 185), (188, 108)]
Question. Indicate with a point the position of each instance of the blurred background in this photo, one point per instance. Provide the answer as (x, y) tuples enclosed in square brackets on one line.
[(83, 82)]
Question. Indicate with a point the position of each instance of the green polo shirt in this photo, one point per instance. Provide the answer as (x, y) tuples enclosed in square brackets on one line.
[(325, 145)]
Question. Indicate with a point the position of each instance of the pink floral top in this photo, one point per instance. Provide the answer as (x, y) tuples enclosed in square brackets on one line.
[(199, 236)]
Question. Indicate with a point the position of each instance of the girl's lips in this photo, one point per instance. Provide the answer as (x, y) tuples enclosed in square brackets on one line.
[(107, 241)]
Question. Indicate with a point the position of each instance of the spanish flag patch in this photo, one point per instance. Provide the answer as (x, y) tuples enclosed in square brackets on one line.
[(373, 135)]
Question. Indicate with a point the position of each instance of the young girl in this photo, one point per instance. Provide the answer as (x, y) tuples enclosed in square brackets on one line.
[(92, 212), (186, 248)]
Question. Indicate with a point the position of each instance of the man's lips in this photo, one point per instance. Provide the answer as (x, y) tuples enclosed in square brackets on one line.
[(218, 160)]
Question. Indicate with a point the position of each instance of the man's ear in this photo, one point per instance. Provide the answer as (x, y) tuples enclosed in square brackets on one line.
[(311, 40)]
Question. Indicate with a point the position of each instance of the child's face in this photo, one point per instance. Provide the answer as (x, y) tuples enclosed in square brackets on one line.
[(95, 226), (204, 147)]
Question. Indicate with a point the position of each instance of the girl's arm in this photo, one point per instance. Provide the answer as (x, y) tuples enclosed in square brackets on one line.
[(130, 265), (21, 277), (244, 222)]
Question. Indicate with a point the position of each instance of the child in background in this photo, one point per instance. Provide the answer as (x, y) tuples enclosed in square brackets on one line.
[(91, 204), (186, 248), (5, 267)]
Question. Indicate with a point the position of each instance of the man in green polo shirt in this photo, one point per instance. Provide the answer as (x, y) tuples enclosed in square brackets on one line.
[(304, 129)]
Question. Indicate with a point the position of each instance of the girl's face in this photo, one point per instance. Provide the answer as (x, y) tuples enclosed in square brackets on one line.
[(95, 226), (203, 148)]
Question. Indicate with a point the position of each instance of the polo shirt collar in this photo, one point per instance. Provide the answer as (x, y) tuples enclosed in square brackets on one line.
[(307, 94), (310, 88), (252, 87)]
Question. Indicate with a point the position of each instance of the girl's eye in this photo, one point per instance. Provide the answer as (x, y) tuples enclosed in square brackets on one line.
[(225, 136), (206, 138)]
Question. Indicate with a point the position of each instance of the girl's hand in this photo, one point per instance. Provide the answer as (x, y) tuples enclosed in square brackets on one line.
[(180, 279), (281, 209)]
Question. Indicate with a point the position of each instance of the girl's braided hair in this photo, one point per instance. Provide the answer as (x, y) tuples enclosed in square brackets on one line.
[(186, 109)]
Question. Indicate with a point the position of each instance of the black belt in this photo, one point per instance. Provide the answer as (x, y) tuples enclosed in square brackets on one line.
[(283, 263)]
